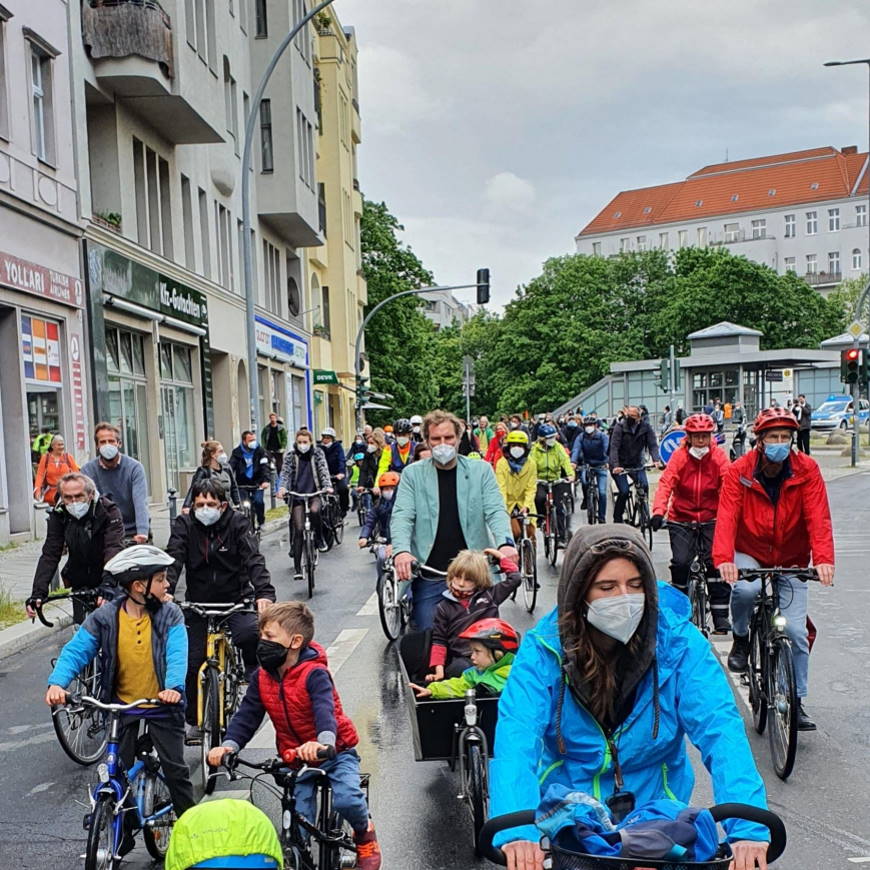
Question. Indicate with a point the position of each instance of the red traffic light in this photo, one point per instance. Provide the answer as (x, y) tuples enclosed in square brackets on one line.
[(853, 354)]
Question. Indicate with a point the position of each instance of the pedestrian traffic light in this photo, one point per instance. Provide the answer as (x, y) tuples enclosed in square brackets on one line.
[(851, 365), (482, 286), (664, 378)]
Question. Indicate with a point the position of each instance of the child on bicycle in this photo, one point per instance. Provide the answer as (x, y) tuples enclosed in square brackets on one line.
[(377, 522), (142, 644), (493, 644), (470, 596), (293, 685)]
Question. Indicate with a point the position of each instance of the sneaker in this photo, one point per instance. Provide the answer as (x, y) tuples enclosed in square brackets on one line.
[(738, 658), (192, 735), (297, 575), (368, 851), (721, 623), (804, 723)]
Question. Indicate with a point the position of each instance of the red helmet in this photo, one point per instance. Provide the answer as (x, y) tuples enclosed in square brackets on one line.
[(775, 418), (494, 634), (699, 423)]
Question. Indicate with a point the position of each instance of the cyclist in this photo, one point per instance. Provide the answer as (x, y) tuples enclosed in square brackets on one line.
[(142, 646), (591, 448), (337, 462), (398, 455), (607, 687), (552, 463), (494, 450), (629, 437), (377, 521), (368, 471), (773, 510), (570, 430), (517, 479), (417, 428), (222, 563), (214, 466), (90, 527), (688, 492), (250, 465), (305, 470)]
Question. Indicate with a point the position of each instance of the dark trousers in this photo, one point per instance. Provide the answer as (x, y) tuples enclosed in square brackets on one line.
[(297, 521), (560, 493), (258, 505), (277, 457), (341, 490), (167, 735), (622, 486), (682, 553), (243, 630), (803, 441)]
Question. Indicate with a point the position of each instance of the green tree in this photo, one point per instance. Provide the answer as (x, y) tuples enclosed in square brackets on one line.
[(847, 293)]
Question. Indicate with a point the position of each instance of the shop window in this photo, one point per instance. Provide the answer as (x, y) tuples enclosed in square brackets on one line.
[(179, 409)]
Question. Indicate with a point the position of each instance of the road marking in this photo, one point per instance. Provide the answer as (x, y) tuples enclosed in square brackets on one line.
[(343, 646), (11, 745), (865, 860), (370, 608), (43, 786)]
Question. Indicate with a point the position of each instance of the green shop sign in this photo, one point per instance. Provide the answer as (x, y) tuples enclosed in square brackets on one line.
[(324, 376)]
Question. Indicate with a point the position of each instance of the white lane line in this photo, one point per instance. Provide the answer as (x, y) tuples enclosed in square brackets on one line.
[(343, 646), (865, 860), (370, 608), (265, 737)]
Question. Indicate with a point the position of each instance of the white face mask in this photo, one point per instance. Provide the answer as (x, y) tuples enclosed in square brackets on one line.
[(208, 516), (78, 509), (109, 451), (699, 452), (518, 452), (617, 616), (589, 429), (444, 454), (371, 448), (303, 447), (416, 429), (550, 441), (222, 458), (402, 440), (387, 494)]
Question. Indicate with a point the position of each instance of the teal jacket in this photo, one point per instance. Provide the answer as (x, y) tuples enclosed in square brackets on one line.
[(482, 513), (694, 700)]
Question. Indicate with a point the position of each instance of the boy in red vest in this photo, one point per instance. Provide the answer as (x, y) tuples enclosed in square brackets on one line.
[(293, 685)]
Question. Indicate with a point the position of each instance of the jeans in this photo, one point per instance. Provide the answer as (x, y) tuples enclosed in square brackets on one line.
[(622, 484), (348, 797), (425, 595), (600, 472), (682, 553), (793, 596)]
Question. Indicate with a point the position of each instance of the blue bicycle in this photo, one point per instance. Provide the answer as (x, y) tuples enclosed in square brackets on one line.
[(141, 790)]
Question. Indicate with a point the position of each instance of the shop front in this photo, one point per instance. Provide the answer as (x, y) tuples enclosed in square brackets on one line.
[(151, 365), (284, 374)]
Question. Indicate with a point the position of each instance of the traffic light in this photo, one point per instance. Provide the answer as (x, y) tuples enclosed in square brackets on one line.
[(678, 381), (864, 371), (482, 286), (362, 391), (665, 375), (851, 365)]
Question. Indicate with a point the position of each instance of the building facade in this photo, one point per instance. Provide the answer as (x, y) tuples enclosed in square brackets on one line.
[(805, 212), (338, 290), (161, 95), (44, 362), (444, 309)]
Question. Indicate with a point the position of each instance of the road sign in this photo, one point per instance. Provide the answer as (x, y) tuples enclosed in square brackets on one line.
[(773, 377), (856, 330), (670, 443)]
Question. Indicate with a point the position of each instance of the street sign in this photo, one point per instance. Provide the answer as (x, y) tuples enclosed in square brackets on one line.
[(856, 330), (773, 377), (670, 443)]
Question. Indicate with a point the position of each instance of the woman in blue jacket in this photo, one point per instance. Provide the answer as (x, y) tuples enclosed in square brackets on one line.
[(603, 693)]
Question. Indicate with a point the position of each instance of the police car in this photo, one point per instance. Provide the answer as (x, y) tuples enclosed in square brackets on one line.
[(836, 412)]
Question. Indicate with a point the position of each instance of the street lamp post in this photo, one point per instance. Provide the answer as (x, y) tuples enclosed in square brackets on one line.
[(864, 293), (247, 253)]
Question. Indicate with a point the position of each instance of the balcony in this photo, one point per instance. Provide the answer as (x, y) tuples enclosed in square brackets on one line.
[(823, 279), (129, 43)]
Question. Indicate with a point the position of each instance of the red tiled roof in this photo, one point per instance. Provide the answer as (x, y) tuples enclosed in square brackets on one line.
[(781, 180)]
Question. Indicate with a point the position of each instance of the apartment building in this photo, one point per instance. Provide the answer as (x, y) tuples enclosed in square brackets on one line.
[(161, 95), (804, 211), (43, 358), (444, 309), (338, 290)]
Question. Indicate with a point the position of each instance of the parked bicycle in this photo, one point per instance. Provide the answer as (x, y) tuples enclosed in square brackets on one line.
[(554, 526), (81, 730), (525, 544), (309, 539), (221, 678), (698, 576), (327, 843), (637, 506), (772, 690)]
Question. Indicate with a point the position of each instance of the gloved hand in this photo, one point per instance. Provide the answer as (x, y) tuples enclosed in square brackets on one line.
[(657, 522)]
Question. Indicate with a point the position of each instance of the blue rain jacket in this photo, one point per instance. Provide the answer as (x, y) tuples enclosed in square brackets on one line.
[(695, 701)]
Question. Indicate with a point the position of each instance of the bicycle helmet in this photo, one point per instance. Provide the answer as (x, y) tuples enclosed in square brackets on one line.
[(494, 634), (699, 423), (388, 478), (589, 420), (516, 437), (328, 432), (403, 426), (775, 418), (388, 428), (416, 420), (140, 562), (546, 431)]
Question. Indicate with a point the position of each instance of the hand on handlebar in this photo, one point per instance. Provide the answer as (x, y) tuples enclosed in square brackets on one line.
[(523, 855), (281, 492), (619, 470), (728, 572), (55, 696), (169, 696), (262, 604), (362, 543), (747, 854), (31, 606), (402, 564), (826, 574), (308, 752), (657, 522), (217, 755)]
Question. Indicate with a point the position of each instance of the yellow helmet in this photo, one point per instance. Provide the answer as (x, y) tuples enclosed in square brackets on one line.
[(517, 436)]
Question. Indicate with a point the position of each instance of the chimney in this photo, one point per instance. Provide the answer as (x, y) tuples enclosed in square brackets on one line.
[(849, 149)]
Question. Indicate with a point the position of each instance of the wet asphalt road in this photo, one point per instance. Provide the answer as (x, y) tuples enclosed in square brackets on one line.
[(420, 822)]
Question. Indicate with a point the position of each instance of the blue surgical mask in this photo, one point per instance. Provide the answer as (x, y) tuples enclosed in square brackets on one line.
[(777, 452)]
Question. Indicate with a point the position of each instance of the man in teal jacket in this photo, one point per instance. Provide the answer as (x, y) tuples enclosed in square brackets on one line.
[(443, 505)]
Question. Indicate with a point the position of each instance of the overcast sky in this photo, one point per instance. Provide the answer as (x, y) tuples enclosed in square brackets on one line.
[(496, 129)]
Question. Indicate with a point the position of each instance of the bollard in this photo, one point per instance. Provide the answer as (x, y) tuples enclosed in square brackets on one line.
[(173, 504)]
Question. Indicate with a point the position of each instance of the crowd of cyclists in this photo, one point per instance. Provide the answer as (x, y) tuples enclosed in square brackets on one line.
[(433, 493)]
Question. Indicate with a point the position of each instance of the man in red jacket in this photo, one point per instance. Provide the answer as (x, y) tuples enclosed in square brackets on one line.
[(773, 510), (688, 492)]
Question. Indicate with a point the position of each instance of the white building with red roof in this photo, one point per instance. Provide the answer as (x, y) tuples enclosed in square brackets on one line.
[(804, 211)]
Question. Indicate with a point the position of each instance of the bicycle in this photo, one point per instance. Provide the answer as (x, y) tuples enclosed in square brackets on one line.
[(772, 690), (590, 492), (221, 676), (552, 521), (309, 541), (394, 597), (332, 521), (363, 503), (528, 558), (143, 784), (637, 505), (81, 731), (698, 579), (247, 507), (331, 837)]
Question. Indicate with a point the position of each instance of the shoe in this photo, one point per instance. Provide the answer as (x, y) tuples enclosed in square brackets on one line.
[(297, 575), (368, 851), (721, 623), (322, 548), (583, 505), (738, 658), (804, 723), (192, 735)]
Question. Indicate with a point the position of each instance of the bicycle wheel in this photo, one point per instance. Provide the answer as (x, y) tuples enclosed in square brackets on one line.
[(81, 731), (592, 503), (100, 848), (782, 727), (757, 674), (529, 568), (234, 680), (211, 725), (310, 562), (157, 832), (477, 789), (389, 608), (698, 599), (643, 522), (338, 524)]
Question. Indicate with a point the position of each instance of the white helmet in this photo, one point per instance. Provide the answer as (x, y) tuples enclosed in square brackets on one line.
[(140, 562), (416, 420), (328, 432)]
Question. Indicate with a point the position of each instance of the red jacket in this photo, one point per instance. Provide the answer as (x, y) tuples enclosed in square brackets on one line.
[(790, 533), (688, 491)]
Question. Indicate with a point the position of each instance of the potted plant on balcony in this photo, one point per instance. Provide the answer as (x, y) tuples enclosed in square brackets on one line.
[(324, 24), (320, 330), (111, 220)]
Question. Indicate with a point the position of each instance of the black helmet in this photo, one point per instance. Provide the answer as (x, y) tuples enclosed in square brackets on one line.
[(590, 420), (403, 427)]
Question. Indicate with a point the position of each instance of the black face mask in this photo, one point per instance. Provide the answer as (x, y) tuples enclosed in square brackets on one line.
[(271, 655)]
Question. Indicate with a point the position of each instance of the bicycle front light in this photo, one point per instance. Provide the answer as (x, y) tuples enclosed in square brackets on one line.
[(779, 622)]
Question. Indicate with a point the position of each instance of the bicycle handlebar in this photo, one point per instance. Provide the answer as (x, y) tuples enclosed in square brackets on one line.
[(305, 495), (88, 701), (802, 574), (554, 482), (691, 526), (636, 470), (217, 608), (418, 568), (272, 765), (86, 595)]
